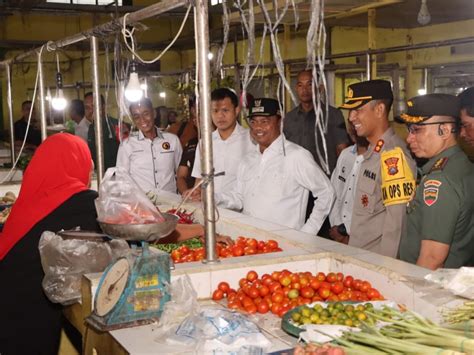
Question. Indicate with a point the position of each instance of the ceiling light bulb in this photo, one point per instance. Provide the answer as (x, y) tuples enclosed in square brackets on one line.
[(421, 91), (162, 94), (59, 102), (133, 92), (210, 55), (424, 16)]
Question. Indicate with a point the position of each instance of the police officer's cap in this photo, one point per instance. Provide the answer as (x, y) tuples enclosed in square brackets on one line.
[(264, 107), (421, 108), (359, 94)]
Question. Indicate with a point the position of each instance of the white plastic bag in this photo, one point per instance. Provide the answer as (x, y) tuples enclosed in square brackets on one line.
[(458, 281), (121, 201), (183, 304), (64, 262), (221, 331)]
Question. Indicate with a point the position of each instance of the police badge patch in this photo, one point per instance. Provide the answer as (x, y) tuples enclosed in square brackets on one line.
[(392, 165), (431, 191), (166, 146)]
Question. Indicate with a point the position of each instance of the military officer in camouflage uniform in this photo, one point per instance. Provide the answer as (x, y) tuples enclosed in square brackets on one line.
[(440, 222), (386, 181)]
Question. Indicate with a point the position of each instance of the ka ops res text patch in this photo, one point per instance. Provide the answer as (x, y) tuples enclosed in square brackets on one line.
[(398, 182)]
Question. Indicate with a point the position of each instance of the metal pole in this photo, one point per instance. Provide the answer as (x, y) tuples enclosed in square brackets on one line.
[(372, 42), (10, 113), (202, 29), (109, 27), (369, 66), (43, 123), (425, 80), (451, 42), (99, 146)]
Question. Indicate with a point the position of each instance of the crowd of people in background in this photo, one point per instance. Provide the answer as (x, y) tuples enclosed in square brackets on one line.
[(357, 182)]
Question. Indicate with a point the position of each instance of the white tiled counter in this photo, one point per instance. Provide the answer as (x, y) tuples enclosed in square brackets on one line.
[(398, 281)]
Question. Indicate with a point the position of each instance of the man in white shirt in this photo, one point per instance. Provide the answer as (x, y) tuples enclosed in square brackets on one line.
[(230, 142), (82, 128), (344, 179), (150, 156), (274, 180)]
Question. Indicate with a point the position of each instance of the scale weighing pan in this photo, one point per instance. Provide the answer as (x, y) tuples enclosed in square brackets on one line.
[(141, 232)]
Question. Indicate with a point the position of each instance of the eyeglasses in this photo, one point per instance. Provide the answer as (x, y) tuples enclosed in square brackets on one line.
[(415, 128)]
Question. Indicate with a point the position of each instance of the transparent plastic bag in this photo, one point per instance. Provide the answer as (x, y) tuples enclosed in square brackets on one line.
[(121, 201), (64, 262), (458, 281), (221, 331), (183, 304)]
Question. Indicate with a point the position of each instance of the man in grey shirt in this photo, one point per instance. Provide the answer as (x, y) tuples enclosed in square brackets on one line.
[(299, 124)]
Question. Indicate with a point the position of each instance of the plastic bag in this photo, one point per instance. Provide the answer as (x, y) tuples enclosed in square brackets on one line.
[(458, 281), (221, 331), (183, 303), (121, 201), (64, 262)]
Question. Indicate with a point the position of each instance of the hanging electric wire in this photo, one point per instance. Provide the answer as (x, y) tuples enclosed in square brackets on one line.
[(10, 173), (128, 35), (316, 53), (225, 37), (273, 29)]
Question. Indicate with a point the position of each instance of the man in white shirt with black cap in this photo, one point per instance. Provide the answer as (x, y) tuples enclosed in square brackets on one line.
[(274, 180)]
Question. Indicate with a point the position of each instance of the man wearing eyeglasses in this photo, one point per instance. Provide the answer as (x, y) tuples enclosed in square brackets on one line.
[(440, 218), (467, 115)]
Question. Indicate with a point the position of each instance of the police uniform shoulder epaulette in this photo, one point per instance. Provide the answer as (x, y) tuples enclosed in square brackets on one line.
[(134, 134), (379, 145), (439, 164)]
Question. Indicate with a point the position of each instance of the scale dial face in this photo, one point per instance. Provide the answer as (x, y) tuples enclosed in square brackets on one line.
[(113, 285)]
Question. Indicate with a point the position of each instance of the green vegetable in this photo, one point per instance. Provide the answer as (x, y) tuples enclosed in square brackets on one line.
[(407, 333), (193, 243), (462, 313)]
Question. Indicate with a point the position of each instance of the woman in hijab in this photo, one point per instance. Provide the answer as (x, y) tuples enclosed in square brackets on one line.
[(54, 195)]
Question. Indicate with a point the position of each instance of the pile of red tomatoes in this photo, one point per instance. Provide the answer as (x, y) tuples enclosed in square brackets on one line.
[(243, 246), (248, 246), (284, 290)]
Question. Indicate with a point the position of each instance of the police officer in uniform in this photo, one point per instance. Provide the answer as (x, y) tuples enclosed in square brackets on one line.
[(386, 181), (440, 222)]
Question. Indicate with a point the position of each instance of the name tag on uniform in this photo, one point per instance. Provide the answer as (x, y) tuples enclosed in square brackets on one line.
[(341, 178)]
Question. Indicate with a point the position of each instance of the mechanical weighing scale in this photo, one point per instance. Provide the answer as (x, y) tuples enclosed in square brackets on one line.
[(133, 290)]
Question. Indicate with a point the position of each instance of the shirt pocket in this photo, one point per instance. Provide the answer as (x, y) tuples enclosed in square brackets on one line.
[(274, 184)]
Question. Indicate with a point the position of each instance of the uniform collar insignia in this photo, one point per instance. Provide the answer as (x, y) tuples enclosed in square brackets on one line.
[(379, 145), (439, 164)]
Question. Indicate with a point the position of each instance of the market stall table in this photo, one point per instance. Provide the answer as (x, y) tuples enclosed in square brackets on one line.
[(398, 281)]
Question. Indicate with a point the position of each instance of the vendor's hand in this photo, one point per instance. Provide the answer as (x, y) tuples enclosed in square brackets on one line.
[(223, 239), (193, 195), (338, 237)]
